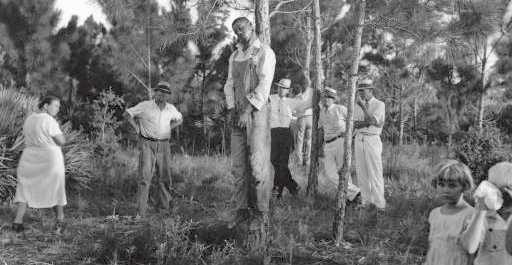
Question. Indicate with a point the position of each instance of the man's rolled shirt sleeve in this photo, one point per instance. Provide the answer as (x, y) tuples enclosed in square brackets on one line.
[(379, 114), (265, 71), (228, 87), (136, 110), (175, 113), (302, 103)]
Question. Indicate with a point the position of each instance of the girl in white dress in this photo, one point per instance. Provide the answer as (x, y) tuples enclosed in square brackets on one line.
[(448, 221), (40, 171), (487, 232)]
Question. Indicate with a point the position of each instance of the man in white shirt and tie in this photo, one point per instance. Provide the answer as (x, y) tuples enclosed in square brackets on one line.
[(369, 115), (332, 124), (281, 137)]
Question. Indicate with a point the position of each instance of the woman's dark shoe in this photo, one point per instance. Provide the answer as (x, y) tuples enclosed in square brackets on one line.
[(18, 228)]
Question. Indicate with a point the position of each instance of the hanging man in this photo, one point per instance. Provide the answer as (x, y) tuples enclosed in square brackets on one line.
[(280, 118), (332, 124), (369, 117), (153, 120), (247, 89)]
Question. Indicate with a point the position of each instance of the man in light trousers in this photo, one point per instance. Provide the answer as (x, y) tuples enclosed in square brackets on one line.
[(153, 120), (369, 117), (332, 122)]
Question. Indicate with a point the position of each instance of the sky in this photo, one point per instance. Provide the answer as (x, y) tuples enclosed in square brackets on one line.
[(82, 8), (85, 8)]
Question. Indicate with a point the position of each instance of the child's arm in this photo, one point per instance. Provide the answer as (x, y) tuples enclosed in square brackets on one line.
[(508, 237), (473, 235)]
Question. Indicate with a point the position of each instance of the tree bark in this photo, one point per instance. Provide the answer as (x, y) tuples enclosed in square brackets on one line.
[(339, 217), (262, 26), (401, 121), (415, 115), (307, 59), (481, 107), (317, 86), (148, 29), (262, 20)]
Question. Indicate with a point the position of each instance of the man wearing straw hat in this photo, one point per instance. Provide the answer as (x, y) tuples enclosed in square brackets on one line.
[(332, 122), (369, 117), (281, 137), (153, 121)]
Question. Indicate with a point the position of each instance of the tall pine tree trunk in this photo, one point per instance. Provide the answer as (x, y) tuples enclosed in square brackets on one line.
[(148, 29), (400, 118), (307, 59), (339, 218), (415, 116), (317, 85), (481, 106), (262, 25), (262, 20)]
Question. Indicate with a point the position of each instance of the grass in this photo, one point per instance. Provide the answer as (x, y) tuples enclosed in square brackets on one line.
[(101, 231)]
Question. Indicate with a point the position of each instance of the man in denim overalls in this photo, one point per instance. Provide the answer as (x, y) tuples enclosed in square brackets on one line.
[(247, 89)]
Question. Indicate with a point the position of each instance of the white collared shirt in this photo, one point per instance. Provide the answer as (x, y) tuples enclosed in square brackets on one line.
[(308, 111), (376, 108), (332, 120), (153, 121), (265, 60), (283, 107)]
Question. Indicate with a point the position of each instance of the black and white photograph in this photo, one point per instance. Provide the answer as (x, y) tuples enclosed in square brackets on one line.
[(256, 132)]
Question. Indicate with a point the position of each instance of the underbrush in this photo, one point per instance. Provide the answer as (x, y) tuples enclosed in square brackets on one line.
[(194, 231), (102, 229)]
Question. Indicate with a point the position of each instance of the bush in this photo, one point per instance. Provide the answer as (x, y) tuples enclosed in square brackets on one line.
[(480, 151)]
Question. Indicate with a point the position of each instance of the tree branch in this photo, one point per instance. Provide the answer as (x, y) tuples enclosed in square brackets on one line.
[(139, 80), (278, 6), (236, 5), (138, 55)]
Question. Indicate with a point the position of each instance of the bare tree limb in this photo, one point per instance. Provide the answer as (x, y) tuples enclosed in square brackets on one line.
[(138, 55), (236, 6), (139, 80), (278, 6)]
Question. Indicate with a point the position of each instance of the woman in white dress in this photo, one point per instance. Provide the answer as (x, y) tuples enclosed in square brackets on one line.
[(41, 168)]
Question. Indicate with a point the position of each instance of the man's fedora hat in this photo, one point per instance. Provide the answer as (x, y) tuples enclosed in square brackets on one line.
[(329, 92), (284, 83), (164, 87), (365, 84)]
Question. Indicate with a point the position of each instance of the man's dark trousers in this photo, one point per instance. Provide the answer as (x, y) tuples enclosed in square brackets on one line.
[(281, 142)]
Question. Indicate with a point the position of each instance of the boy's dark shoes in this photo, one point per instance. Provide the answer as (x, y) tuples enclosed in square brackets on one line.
[(60, 226), (18, 228)]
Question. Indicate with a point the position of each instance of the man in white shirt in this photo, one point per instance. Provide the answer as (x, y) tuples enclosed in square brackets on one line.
[(332, 123), (369, 117), (247, 89), (281, 137), (153, 121)]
